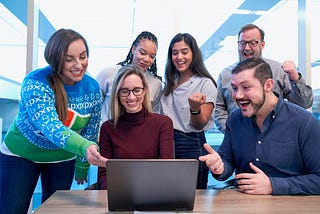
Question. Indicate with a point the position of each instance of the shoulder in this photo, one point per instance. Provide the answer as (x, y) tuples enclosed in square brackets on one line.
[(225, 74), (273, 63), (151, 78), (107, 74), (227, 70), (37, 80), (202, 81), (107, 124), (91, 81), (296, 110), (160, 117), (40, 74), (111, 70)]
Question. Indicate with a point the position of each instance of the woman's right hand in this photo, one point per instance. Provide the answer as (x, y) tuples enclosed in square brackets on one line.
[(94, 157)]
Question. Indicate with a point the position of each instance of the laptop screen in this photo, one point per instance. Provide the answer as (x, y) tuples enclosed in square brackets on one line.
[(151, 184)]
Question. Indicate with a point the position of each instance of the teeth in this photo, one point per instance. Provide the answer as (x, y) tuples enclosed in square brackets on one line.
[(76, 72)]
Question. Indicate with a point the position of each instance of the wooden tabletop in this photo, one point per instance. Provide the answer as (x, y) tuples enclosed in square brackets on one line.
[(207, 201)]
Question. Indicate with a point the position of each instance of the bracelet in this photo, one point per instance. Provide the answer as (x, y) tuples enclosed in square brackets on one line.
[(195, 112)]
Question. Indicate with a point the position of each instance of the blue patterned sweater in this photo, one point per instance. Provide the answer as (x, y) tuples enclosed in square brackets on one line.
[(37, 133)]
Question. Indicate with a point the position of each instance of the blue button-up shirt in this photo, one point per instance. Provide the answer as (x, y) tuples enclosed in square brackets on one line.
[(287, 148)]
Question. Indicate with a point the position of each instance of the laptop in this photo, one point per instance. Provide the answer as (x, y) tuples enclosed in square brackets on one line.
[(151, 184)]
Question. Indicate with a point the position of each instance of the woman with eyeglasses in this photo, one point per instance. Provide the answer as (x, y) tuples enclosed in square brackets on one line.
[(133, 131)]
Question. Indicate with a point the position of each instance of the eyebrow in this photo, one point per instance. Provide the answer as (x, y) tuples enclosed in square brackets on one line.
[(84, 52), (182, 49)]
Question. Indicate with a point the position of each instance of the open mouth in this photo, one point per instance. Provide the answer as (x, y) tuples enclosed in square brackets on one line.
[(243, 103), (76, 72)]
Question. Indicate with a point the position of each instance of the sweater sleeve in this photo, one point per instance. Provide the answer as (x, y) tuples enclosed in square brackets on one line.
[(40, 107), (166, 139)]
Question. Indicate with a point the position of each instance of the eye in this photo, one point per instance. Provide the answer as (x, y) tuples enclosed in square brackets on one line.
[(175, 53), (142, 52), (67, 59), (83, 56), (137, 90)]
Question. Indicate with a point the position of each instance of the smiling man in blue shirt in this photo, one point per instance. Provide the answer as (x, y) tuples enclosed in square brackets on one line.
[(271, 144)]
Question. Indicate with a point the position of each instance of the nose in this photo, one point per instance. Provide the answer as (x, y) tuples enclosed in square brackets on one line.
[(148, 59), (77, 63), (237, 94), (131, 95)]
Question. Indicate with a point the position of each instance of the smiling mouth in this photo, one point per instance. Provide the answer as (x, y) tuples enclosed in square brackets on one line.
[(243, 103), (76, 72)]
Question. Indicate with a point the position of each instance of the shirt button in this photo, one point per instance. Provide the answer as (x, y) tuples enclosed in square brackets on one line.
[(259, 142), (257, 159)]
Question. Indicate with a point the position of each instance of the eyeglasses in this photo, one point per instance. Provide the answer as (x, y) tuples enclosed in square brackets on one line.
[(252, 44), (124, 92)]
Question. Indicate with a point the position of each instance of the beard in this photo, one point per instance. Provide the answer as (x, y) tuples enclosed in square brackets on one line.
[(256, 106)]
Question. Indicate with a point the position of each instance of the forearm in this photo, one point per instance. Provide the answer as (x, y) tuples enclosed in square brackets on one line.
[(296, 185), (200, 119), (301, 94)]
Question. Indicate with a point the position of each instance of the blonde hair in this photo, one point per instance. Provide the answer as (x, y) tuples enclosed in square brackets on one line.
[(115, 106)]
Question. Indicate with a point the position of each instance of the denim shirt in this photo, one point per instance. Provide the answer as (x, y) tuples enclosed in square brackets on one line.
[(286, 150)]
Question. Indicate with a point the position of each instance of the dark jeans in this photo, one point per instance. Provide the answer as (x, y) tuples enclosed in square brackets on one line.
[(190, 145), (18, 179)]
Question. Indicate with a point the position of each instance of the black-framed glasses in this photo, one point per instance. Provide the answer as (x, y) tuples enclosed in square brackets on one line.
[(252, 44), (125, 92)]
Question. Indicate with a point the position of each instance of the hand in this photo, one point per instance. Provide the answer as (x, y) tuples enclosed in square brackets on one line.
[(212, 160), (290, 68), (81, 181), (196, 100), (251, 183), (94, 157)]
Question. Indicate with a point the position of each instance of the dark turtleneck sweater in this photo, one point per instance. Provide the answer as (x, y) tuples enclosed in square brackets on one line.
[(141, 135)]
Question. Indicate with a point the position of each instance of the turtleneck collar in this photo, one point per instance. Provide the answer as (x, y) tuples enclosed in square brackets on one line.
[(135, 117)]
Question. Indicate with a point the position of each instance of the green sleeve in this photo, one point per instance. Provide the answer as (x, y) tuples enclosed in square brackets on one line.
[(82, 168), (78, 144)]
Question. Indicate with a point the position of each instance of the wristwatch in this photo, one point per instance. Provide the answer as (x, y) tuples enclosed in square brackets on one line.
[(195, 112)]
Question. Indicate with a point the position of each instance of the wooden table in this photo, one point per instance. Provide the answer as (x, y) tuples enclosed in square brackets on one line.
[(207, 201)]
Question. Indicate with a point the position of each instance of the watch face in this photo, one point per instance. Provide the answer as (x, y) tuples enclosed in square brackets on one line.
[(195, 112)]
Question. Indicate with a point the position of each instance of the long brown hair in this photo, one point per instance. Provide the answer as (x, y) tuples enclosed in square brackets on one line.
[(54, 52), (197, 65)]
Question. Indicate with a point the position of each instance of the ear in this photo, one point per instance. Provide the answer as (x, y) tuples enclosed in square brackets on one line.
[(263, 44), (268, 85), (132, 49)]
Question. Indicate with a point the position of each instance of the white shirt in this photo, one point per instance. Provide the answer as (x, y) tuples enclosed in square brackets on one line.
[(176, 104)]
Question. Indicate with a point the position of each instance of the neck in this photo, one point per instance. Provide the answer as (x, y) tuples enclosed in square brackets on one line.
[(269, 104), (184, 77)]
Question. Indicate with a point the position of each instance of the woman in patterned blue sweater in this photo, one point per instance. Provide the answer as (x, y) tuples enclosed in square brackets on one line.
[(56, 126)]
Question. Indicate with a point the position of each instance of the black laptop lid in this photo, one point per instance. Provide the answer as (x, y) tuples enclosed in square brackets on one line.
[(151, 184)]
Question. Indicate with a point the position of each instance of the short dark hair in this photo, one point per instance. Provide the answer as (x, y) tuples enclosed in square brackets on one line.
[(250, 27), (262, 69)]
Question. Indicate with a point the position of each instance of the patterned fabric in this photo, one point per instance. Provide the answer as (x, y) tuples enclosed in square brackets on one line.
[(37, 133)]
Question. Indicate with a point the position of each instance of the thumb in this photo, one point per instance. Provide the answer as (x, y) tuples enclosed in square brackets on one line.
[(254, 168)]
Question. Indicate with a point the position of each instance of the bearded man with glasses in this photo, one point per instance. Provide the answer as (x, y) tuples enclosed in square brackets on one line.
[(289, 84)]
